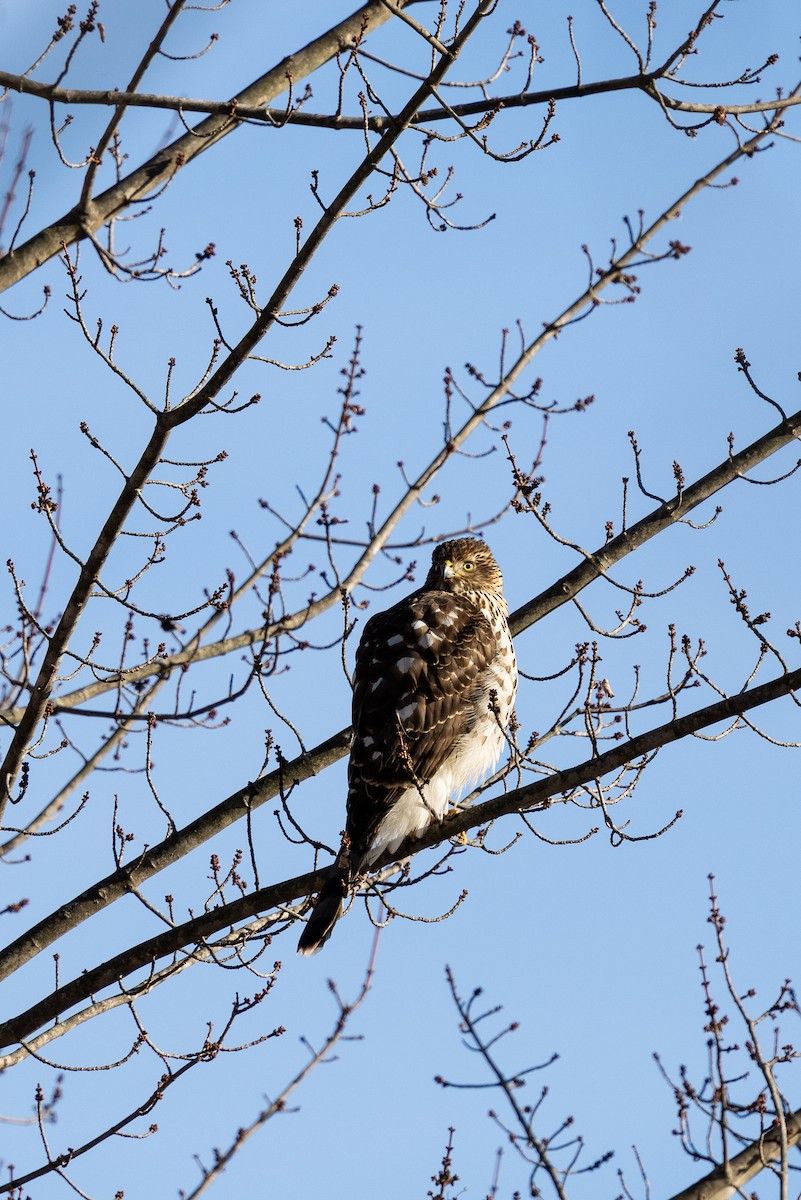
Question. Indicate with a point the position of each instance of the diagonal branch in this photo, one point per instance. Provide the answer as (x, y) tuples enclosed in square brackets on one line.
[(673, 511), (728, 1179)]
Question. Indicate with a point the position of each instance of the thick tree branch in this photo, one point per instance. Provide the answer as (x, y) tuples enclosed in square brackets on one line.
[(726, 1181)]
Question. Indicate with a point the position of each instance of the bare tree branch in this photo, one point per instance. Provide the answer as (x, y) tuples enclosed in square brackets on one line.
[(727, 1179)]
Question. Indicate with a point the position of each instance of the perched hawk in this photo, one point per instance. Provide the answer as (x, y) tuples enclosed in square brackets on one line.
[(422, 721)]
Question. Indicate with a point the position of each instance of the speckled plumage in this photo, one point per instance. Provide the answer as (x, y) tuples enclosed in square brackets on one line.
[(423, 728)]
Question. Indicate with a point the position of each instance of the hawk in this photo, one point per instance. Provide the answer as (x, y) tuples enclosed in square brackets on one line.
[(424, 722)]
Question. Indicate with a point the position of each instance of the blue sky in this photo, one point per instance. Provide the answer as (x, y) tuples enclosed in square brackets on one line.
[(591, 948)]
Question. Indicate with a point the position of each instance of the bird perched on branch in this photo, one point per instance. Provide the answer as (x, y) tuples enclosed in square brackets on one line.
[(433, 689)]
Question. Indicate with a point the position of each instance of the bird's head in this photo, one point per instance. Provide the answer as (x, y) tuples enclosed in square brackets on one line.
[(464, 565)]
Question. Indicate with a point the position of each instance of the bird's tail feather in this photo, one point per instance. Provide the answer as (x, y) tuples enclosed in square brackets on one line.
[(325, 914)]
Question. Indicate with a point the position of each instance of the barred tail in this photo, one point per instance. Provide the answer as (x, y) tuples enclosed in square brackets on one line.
[(325, 914)]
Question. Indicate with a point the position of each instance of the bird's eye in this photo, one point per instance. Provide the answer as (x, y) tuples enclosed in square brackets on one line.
[(468, 566)]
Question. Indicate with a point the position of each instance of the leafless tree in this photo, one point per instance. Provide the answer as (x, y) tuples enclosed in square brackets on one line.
[(137, 635)]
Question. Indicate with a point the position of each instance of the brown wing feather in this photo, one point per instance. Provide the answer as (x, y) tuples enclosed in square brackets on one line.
[(416, 670)]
